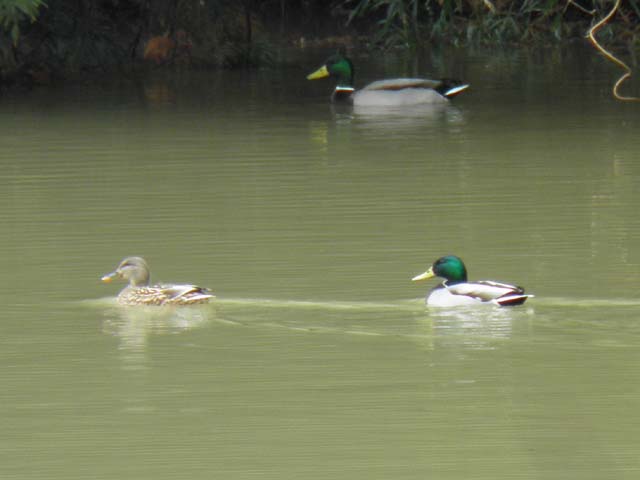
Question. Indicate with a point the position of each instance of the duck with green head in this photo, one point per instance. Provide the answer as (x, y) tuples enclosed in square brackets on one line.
[(138, 292), (392, 92), (456, 290)]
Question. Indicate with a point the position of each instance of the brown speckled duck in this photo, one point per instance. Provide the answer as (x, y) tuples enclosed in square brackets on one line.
[(136, 271)]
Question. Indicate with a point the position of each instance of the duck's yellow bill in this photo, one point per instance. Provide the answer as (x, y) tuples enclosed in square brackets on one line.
[(108, 278), (424, 276), (322, 72)]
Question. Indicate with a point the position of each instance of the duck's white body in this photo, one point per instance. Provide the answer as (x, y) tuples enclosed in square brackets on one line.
[(475, 293), (397, 98)]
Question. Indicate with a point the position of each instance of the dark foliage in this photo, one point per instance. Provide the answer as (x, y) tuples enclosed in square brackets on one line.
[(45, 39)]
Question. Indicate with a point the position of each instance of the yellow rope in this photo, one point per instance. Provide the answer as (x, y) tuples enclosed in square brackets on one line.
[(591, 34)]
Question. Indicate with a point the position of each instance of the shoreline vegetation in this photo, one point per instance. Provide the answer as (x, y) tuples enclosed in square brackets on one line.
[(43, 41)]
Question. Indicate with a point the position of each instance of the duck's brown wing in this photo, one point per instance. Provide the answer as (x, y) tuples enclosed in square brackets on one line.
[(485, 290), (186, 294)]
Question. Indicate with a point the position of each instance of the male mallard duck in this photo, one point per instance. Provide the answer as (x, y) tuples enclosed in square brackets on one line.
[(392, 92), (136, 271), (456, 291)]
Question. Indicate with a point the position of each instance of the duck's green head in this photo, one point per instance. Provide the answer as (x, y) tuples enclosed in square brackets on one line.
[(132, 269), (448, 267), (336, 66)]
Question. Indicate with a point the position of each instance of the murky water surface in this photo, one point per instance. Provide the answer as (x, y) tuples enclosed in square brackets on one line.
[(319, 359)]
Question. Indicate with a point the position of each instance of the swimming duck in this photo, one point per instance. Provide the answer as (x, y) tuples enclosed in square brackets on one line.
[(457, 291), (136, 271), (392, 92)]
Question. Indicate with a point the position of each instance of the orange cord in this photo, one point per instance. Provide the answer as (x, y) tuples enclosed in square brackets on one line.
[(610, 56)]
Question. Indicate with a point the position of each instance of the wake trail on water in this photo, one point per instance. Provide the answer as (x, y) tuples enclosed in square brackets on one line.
[(409, 305)]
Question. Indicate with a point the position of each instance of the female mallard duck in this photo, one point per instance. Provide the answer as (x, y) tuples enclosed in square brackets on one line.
[(457, 291), (136, 271), (392, 92)]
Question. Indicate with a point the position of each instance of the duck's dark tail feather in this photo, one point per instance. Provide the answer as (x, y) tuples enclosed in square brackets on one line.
[(511, 300)]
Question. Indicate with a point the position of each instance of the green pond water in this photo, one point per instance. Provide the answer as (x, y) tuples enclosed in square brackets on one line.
[(318, 359)]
